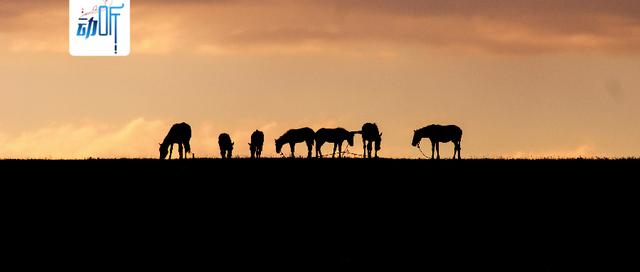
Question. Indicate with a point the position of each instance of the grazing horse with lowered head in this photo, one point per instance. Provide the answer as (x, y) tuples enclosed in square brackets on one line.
[(178, 134), (439, 134), (226, 145), (294, 136), (333, 135), (257, 140), (370, 135)]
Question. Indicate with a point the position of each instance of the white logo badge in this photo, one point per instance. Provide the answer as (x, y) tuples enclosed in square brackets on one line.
[(99, 27)]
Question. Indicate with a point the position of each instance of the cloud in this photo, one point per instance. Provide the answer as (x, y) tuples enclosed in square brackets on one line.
[(137, 138), (613, 89), (72, 141), (582, 151), (228, 26)]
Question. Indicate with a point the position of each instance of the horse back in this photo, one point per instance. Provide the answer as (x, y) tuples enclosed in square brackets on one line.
[(179, 133), (224, 140), (448, 133), (332, 134), (257, 137), (370, 131), (299, 135)]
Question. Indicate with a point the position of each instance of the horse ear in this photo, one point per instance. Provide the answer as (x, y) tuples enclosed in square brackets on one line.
[(232, 143), (380, 135)]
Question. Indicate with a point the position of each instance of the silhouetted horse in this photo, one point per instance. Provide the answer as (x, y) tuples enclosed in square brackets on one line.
[(257, 140), (370, 135), (439, 134), (294, 136), (226, 145), (333, 135), (178, 134)]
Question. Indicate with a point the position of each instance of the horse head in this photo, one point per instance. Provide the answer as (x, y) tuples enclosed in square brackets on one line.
[(163, 151), (378, 142), (350, 138), (278, 146), (416, 139)]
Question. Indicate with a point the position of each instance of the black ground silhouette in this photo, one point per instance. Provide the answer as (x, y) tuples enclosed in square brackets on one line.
[(446, 215)]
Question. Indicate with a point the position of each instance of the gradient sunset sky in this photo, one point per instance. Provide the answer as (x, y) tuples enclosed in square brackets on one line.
[(521, 78)]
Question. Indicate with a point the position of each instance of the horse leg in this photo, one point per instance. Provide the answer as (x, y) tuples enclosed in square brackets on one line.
[(364, 148), (293, 149), (455, 149), (369, 147), (376, 151), (309, 148), (170, 151), (433, 147), (459, 149), (319, 149), (333, 155), (180, 150), (438, 149)]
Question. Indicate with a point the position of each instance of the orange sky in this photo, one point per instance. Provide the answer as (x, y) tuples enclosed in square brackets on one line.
[(522, 78)]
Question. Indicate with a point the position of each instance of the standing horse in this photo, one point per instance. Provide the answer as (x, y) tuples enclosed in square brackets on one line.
[(294, 136), (439, 134), (178, 134), (370, 135), (226, 145), (333, 135), (257, 140)]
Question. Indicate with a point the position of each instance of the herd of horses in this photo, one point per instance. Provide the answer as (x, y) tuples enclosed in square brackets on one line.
[(371, 140)]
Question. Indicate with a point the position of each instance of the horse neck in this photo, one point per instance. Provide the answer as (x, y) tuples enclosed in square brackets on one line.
[(167, 141), (345, 134), (282, 140), (172, 137), (422, 133), (350, 136), (164, 146)]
